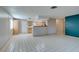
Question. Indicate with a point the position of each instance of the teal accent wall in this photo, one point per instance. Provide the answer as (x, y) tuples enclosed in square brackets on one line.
[(72, 25)]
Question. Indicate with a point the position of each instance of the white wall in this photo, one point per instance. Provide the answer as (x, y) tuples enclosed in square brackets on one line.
[(23, 26), (51, 26), (4, 31)]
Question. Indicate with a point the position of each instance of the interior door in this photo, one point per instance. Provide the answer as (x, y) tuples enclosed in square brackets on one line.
[(15, 26)]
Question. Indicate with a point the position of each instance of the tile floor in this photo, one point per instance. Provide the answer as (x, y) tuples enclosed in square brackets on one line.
[(50, 43)]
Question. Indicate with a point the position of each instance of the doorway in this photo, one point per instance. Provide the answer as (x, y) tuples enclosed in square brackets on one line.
[(21, 27)]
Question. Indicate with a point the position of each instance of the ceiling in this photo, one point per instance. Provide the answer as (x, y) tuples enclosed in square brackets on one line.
[(25, 12)]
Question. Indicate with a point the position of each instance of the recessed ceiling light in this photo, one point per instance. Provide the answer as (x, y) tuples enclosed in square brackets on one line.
[(53, 7)]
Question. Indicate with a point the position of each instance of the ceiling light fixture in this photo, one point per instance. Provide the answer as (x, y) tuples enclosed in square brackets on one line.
[(53, 7)]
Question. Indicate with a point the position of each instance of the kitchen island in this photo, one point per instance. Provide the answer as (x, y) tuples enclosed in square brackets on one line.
[(40, 30)]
